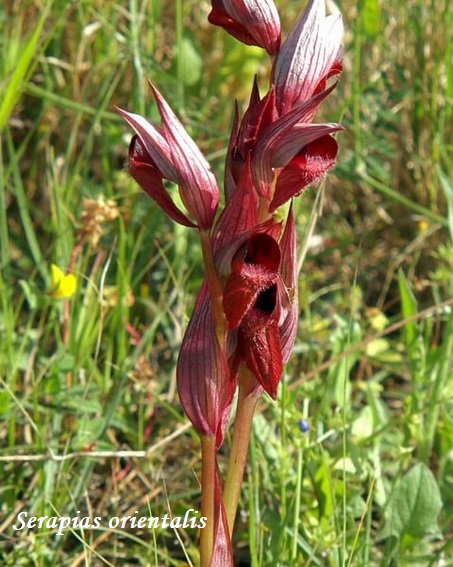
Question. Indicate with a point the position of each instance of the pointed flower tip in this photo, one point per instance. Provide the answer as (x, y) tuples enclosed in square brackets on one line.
[(198, 186), (310, 55), (253, 22), (172, 154)]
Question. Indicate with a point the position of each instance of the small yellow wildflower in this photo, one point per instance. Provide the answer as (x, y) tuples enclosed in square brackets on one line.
[(423, 225), (61, 286)]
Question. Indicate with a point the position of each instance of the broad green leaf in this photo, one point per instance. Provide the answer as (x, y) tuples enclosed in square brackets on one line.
[(415, 505), (89, 430), (323, 487), (390, 550), (66, 361)]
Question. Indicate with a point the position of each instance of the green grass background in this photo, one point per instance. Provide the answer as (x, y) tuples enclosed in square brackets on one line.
[(90, 420)]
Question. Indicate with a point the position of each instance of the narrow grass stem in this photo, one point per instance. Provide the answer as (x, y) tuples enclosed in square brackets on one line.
[(65, 331), (300, 460), (179, 45), (247, 401), (208, 471), (356, 107), (436, 397)]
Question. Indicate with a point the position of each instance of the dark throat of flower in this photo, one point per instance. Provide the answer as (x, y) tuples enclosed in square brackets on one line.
[(267, 300)]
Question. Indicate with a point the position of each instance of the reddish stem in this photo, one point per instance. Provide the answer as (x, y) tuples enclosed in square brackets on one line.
[(247, 399)]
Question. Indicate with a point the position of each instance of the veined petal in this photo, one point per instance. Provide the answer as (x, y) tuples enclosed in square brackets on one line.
[(153, 141), (198, 187), (253, 22), (300, 136), (308, 55), (309, 166), (225, 254), (204, 383), (179, 160), (240, 212), (288, 261), (274, 135), (148, 176), (260, 348), (288, 271), (260, 114)]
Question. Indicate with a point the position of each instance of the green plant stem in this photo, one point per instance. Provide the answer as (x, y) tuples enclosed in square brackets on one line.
[(247, 400), (358, 40), (399, 198), (208, 471), (436, 397), (300, 460)]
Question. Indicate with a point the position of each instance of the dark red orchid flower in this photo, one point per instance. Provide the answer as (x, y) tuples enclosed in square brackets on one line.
[(282, 145), (257, 307), (285, 153)]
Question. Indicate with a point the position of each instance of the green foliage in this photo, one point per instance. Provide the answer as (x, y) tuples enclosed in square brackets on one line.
[(371, 11), (86, 378), (414, 508)]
